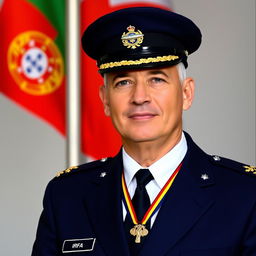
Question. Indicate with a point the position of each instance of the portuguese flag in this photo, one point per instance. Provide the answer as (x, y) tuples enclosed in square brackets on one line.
[(32, 52)]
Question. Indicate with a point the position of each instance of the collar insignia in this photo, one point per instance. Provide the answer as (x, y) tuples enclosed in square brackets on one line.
[(132, 39)]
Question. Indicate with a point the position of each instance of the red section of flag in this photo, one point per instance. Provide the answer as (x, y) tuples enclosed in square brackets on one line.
[(99, 138), (34, 34)]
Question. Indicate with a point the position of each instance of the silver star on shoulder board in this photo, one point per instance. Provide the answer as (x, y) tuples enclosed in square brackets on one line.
[(204, 176), (103, 174)]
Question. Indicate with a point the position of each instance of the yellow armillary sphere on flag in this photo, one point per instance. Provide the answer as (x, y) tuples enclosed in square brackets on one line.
[(35, 63)]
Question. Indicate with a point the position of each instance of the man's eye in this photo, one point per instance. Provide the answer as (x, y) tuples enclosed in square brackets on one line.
[(123, 83), (157, 80)]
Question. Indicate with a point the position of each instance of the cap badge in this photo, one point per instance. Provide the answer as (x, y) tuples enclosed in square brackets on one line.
[(132, 39)]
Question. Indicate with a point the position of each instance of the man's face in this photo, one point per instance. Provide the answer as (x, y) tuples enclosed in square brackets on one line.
[(146, 105)]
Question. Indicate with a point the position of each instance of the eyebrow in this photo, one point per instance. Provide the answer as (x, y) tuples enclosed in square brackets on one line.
[(120, 75), (157, 72)]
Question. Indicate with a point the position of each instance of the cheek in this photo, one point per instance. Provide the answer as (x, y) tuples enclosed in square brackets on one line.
[(171, 103), (116, 106)]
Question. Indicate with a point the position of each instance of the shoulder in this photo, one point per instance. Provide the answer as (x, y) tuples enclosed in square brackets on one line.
[(84, 168), (76, 178), (233, 166), (219, 164)]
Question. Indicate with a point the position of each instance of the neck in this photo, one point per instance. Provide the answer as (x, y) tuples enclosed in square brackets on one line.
[(147, 152)]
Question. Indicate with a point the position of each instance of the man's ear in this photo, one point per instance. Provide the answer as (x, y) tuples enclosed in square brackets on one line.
[(104, 99), (188, 90)]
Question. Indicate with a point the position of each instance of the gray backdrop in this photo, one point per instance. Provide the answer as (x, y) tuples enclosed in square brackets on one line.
[(222, 119)]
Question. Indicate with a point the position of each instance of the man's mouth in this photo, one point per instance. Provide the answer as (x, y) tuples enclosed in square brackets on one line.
[(141, 115)]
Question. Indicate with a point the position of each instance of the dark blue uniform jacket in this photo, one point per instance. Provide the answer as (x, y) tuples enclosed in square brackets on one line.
[(210, 210)]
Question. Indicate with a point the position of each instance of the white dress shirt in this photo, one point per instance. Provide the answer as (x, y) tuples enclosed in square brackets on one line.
[(161, 171)]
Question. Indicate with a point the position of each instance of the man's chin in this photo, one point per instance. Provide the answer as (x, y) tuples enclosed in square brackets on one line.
[(140, 138)]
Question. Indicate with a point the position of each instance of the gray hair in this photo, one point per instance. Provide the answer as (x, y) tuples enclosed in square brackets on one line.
[(182, 72)]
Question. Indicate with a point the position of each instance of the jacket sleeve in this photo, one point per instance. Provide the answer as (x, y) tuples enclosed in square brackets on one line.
[(250, 235), (46, 242)]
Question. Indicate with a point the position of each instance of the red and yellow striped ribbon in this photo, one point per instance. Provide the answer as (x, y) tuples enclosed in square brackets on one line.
[(154, 206)]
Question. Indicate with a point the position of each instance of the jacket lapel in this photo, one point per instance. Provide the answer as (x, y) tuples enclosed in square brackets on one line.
[(105, 209), (185, 203)]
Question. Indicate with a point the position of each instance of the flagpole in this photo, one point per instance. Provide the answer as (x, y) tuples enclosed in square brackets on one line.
[(73, 81)]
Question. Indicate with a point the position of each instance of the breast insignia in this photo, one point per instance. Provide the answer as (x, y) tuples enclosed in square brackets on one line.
[(251, 169), (68, 170)]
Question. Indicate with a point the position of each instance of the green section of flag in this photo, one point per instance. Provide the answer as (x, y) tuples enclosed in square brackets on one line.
[(54, 10)]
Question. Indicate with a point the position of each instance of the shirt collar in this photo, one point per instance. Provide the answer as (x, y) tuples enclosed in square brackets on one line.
[(161, 169)]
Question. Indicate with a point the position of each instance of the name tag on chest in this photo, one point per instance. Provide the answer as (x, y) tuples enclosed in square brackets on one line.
[(78, 245)]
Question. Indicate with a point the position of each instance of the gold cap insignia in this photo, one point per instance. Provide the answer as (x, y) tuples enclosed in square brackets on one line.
[(250, 169), (66, 171), (132, 39)]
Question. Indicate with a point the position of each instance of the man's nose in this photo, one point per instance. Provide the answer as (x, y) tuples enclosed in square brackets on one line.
[(140, 93)]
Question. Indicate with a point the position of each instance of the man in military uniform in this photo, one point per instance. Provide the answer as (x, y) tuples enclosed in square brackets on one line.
[(161, 195)]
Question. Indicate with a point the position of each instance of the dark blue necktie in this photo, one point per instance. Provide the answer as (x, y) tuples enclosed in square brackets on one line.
[(140, 200)]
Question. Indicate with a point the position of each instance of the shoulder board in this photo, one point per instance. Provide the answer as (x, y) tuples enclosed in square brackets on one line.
[(231, 164), (68, 170), (86, 166)]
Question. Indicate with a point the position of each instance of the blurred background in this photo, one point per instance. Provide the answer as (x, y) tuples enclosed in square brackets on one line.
[(32, 117)]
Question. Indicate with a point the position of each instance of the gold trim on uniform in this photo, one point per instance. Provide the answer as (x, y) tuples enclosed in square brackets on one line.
[(66, 171), (250, 169), (138, 62)]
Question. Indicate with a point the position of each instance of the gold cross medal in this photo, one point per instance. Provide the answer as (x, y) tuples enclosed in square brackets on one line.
[(139, 230)]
